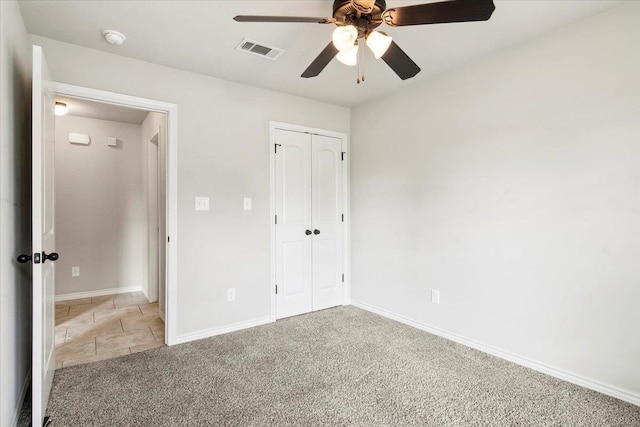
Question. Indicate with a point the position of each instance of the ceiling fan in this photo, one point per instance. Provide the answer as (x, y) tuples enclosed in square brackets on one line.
[(356, 21)]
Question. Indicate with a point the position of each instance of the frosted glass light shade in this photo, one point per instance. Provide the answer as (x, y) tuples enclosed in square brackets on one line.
[(345, 37), (350, 57), (61, 109), (378, 43)]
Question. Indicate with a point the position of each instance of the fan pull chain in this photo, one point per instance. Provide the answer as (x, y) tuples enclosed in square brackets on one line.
[(362, 55), (361, 77), (358, 69)]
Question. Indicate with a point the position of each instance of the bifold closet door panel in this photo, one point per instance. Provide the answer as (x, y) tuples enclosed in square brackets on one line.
[(293, 211), (327, 223)]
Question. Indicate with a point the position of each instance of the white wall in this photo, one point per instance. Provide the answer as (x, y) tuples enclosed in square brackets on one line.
[(101, 210), (223, 153), (512, 185), (154, 123), (15, 211)]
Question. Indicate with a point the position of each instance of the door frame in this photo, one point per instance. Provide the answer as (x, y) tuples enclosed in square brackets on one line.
[(171, 190), (155, 292), (346, 226)]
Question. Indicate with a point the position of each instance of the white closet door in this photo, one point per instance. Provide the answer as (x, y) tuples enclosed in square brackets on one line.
[(293, 212), (327, 221)]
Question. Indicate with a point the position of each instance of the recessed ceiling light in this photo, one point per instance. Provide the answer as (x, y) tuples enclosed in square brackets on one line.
[(61, 109), (114, 37)]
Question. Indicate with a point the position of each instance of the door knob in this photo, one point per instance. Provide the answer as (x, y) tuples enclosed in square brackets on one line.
[(316, 231), (51, 257), (24, 258), (308, 232)]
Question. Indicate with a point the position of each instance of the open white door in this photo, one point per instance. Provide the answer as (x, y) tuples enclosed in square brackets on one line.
[(43, 134)]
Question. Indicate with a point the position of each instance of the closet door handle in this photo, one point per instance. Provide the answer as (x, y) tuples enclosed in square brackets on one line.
[(51, 257), (316, 231), (24, 258), (308, 232)]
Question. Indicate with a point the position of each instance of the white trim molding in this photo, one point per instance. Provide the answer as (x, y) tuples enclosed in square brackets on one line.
[(609, 390), (207, 333), (99, 293), (171, 110)]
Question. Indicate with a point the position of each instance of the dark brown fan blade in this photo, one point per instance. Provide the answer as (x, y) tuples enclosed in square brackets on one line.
[(440, 13), (400, 62), (294, 19), (321, 61)]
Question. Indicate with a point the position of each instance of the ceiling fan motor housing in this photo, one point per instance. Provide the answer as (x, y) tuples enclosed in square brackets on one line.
[(345, 13)]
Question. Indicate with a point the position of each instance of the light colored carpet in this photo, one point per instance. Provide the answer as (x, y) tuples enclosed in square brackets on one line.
[(337, 367)]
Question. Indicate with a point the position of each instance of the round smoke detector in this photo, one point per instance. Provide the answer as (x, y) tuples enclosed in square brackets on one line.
[(114, 37)]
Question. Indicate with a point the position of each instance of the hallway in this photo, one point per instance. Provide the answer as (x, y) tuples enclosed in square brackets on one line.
[(99, 328)]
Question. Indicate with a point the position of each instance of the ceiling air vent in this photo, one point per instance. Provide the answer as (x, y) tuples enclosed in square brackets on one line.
[(260, 49)]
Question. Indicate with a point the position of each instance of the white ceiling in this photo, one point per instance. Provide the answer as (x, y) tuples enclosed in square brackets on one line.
[(101, 111), (200, 36)]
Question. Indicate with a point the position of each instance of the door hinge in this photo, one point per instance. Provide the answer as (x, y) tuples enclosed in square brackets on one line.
[(342, 277), (343, 153), (342, 217), (168, 239), (276, 148), (276, 219), (276, 289)]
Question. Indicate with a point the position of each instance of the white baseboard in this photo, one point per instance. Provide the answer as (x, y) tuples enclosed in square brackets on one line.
[(223, 329), (98, 293), (23, 393), (609, 390)]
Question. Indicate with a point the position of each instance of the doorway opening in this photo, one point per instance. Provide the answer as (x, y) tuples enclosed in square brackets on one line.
[(112, 209)]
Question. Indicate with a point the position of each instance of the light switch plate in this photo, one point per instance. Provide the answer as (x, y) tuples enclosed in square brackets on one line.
[(435, 296), (202, 203), (247, 203), (75, 271)]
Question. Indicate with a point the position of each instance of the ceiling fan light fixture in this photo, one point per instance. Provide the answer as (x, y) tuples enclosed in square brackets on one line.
[(350, 57), (378, 42), (344, 38), (61, 109), (358, 19)]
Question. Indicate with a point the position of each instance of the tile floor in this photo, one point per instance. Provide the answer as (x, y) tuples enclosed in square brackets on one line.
[(99, 328)]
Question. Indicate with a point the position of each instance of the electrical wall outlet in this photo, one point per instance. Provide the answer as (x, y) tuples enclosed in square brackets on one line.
[(231, 294), (435, 296), (247, 203), (75, 271)]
